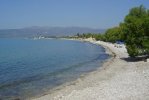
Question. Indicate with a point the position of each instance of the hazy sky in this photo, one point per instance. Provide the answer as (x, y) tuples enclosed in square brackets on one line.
[(83, 13)]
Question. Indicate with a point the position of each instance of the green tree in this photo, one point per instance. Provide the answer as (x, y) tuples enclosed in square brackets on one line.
[(136, 31), (113, 34), (99, 37)]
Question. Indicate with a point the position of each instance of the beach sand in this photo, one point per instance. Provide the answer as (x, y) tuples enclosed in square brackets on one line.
[(118, 79)]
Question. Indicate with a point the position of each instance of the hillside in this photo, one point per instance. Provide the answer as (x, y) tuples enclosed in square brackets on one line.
[(47, 31)]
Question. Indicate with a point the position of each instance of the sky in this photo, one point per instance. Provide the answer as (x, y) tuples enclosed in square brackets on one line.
[(101, 14)]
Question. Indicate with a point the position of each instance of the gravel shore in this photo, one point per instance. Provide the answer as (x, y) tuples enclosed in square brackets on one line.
[(118, 79)]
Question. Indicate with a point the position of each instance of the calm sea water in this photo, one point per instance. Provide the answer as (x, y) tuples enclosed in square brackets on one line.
[(31, 67)]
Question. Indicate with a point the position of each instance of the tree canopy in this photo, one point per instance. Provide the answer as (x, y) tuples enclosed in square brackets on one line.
[(135, 30), (113, 34)]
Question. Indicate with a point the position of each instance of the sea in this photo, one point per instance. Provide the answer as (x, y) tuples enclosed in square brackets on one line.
[(31, 67)]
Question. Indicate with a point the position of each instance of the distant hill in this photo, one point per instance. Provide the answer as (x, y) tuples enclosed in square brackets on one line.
[(47, 31)]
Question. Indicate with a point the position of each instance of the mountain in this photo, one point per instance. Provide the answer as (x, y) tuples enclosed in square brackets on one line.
[(47, 31)]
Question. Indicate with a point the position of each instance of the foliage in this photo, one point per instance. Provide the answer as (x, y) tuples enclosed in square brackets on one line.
[(99, 37), (136, 31), (113, 34), (91, 35)]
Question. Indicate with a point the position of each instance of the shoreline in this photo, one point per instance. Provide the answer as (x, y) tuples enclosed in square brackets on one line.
[(107, 80), (53, 92)]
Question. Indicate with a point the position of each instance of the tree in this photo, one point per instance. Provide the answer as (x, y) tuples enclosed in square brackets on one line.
[(99, 37), (113, 34), (136, 31)]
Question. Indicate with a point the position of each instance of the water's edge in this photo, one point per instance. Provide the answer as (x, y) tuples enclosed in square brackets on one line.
[(74, 82)]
